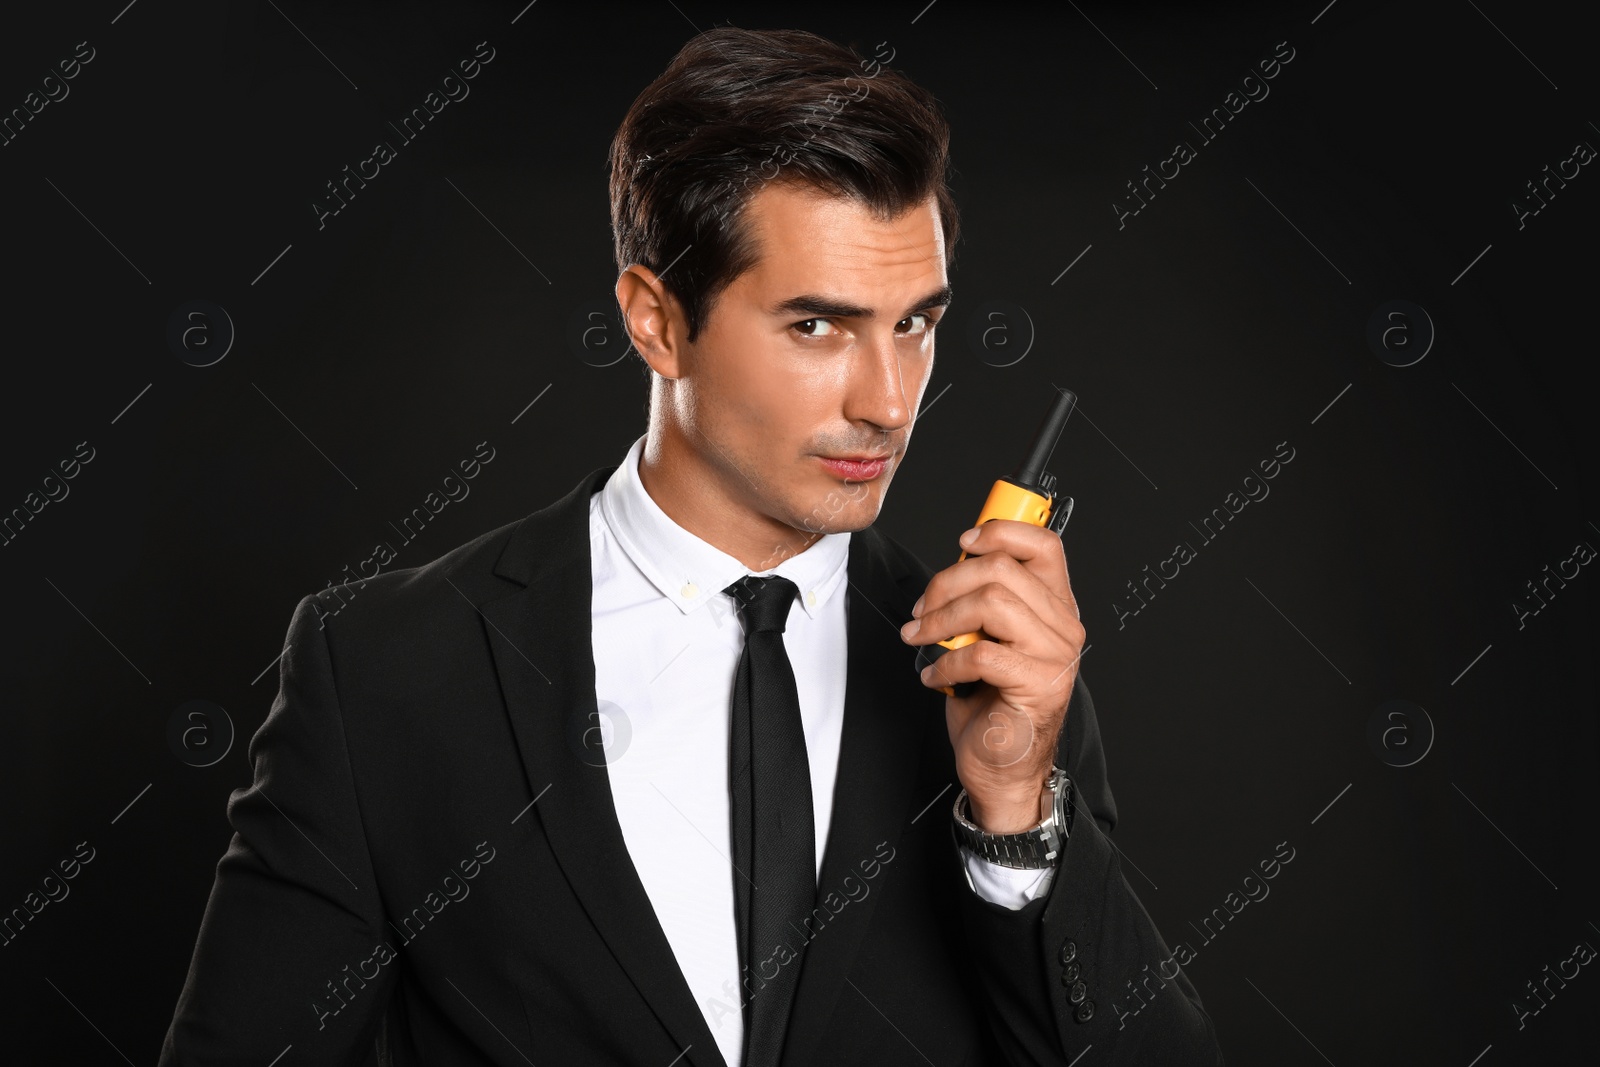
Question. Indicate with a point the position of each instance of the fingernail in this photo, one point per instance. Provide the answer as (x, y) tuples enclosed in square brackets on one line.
[(968, 537), (909, 630), (916, 609)]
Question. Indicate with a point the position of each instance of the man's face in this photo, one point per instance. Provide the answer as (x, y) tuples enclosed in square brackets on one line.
[(823, 349)]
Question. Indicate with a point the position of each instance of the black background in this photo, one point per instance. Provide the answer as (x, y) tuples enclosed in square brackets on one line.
[(430, 312)]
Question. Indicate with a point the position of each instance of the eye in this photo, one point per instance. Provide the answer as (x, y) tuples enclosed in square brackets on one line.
[(814, 323), (927, 323)]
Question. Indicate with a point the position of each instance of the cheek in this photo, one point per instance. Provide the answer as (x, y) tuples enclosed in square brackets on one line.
[(775, 398)]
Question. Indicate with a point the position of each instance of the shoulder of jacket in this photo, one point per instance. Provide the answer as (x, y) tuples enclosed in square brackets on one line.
[(394, 598)]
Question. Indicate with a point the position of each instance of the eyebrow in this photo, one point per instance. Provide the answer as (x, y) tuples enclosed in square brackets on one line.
[(832, 307)]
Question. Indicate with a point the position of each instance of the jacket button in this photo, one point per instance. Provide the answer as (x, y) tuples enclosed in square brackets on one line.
[(1077, 993), (1085, 1011), (1069, 950), (1069, 973)]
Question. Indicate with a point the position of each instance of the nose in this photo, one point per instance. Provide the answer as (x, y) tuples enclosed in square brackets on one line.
[(878, 389)]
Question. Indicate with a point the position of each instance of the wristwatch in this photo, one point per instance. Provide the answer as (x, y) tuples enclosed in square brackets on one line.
[(1032, 849)]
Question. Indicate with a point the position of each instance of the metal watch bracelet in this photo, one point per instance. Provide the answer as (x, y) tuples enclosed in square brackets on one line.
[(1032, 849)]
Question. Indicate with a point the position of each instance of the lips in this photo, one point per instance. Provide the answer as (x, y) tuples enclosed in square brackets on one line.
[(855, 468)]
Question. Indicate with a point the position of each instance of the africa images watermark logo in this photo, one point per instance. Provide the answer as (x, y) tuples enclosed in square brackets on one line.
[(829, 905), (1251, 89), (451, 89), (1255, 489)]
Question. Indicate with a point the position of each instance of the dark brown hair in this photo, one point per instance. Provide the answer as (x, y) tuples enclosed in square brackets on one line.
[(738, 108)]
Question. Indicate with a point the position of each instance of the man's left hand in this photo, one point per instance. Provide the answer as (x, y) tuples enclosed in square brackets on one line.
[(1013, 586)]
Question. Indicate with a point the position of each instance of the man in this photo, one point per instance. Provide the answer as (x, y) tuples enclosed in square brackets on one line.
[(645, 777)]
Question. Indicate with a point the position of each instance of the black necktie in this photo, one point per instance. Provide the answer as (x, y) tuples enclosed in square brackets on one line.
[(774, 835)]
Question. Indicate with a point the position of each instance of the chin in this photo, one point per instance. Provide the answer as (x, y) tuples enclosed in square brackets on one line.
[(857, 515)]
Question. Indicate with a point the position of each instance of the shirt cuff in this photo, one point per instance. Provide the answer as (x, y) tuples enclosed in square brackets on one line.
[(1010, 887)]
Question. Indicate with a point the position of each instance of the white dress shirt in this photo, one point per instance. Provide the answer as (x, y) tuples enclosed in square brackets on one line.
[(667, 642)]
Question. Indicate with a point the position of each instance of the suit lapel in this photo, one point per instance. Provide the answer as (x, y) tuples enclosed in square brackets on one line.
[(541, 641), (541, 638)]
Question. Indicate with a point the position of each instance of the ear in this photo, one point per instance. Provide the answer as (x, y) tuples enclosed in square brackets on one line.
[(654, 319)]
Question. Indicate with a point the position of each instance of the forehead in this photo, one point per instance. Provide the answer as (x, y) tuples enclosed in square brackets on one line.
[(811, 241)]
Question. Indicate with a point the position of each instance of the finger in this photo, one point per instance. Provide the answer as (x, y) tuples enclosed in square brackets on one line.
[(976, 572), (980, 661), (999, 612), (1037, 548)]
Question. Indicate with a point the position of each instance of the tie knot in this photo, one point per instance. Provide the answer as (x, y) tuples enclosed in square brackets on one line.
[(765, 601)]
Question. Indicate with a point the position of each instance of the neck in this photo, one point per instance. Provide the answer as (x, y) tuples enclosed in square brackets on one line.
[(696, 495)]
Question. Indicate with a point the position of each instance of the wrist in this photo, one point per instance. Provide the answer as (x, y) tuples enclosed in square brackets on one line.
[(1009, 815), (1006, 809), (1030, 841)]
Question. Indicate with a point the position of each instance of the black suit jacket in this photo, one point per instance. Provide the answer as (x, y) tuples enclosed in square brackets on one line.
[(428, 868)]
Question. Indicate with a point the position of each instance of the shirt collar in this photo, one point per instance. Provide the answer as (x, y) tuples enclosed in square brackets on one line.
[(689, 571)]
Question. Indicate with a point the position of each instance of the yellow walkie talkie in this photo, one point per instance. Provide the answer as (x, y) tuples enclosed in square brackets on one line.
[(1027, 496)]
